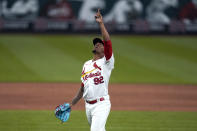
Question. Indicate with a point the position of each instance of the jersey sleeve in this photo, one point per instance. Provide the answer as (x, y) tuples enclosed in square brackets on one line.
[(109, 57), (108, 49)]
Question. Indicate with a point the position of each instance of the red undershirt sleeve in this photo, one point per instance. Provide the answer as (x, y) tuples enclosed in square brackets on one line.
[(107, 49), (82, 85)]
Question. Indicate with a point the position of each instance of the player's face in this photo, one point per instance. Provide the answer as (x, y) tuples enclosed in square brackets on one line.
[(98, 48)]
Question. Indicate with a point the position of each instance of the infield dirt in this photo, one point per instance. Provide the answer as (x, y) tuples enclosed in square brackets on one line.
[(46, 96)]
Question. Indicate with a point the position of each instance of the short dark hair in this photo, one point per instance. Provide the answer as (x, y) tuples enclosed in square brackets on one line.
[(96, 40)]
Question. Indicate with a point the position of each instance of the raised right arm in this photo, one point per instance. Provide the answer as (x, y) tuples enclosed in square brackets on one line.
[(105, 34)]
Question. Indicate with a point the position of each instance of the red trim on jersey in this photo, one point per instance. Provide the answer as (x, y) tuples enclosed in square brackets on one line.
[(108, 49), (83, 72), (82, 85)]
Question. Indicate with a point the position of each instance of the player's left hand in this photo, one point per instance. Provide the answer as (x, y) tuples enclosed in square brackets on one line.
[(98, 16), (62, 112)]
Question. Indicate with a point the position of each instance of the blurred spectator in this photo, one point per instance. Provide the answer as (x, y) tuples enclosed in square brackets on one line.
[(156, 11), (188, 13), (0, 9), (20, 9), (60, 10), (89, 8), (123, 9)]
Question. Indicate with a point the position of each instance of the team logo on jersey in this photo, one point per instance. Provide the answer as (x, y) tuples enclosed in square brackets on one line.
[(89, 74), (83, 72), (98, 73), (96, 66)]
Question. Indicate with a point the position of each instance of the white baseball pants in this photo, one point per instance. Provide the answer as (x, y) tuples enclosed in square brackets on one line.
[(97, 114)]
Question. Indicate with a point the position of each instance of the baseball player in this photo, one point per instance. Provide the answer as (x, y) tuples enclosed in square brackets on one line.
[(95, 78)]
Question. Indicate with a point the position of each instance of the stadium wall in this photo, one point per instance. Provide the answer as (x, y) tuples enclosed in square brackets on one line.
[(121, 16)]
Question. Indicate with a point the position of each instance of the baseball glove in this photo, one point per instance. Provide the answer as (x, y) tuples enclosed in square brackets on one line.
[(62, 112)]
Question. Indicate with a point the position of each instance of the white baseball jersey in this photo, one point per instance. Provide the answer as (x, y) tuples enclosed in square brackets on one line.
[(95, 76)]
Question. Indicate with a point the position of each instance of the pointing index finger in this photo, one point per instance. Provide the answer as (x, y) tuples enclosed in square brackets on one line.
[(98, 11)]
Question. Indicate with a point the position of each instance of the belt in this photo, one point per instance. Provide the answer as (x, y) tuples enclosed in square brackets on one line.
[(95, 101)]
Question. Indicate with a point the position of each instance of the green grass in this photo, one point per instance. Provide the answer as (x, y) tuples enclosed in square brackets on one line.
[(59, 58), (117, 121)]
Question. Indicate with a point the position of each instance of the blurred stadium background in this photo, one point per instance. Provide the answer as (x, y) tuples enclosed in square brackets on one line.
[(121, 16), (46, 42)]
